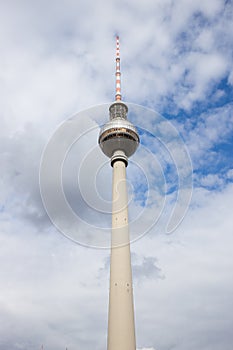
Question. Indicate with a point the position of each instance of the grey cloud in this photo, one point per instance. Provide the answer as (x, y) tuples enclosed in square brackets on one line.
[(148, 269)]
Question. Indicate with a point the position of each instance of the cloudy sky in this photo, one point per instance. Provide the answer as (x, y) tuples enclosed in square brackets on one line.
[(56, 83)]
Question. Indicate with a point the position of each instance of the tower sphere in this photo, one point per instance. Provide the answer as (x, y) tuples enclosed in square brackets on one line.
[(118, 134)]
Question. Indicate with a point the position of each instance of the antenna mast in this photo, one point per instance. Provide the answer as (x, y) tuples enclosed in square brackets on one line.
[(118, 71)]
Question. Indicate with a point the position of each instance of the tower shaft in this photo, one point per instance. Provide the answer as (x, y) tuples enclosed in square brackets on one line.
[(121, 329), (119, 139)]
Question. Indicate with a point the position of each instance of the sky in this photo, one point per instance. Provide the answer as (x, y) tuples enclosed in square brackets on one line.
[(56, 84)]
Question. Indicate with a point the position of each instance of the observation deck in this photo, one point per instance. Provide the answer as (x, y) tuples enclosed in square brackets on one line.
[(118, 134)]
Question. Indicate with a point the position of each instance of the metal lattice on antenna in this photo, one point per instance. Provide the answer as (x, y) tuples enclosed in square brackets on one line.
[(118, 71)]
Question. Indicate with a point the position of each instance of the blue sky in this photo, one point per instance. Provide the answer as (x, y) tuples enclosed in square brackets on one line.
[(57, 62)]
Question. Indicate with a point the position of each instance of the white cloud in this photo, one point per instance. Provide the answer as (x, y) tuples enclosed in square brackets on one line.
[(196, 291), (211, 180), (212, 128), (230, 174)]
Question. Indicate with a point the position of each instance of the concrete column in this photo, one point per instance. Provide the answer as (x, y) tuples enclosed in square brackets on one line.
[(121, 329)]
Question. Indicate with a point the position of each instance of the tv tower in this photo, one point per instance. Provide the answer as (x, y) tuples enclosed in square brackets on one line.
[(118, 140)]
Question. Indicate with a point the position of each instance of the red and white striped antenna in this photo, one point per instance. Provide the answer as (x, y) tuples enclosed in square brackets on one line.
[(118, 71)]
